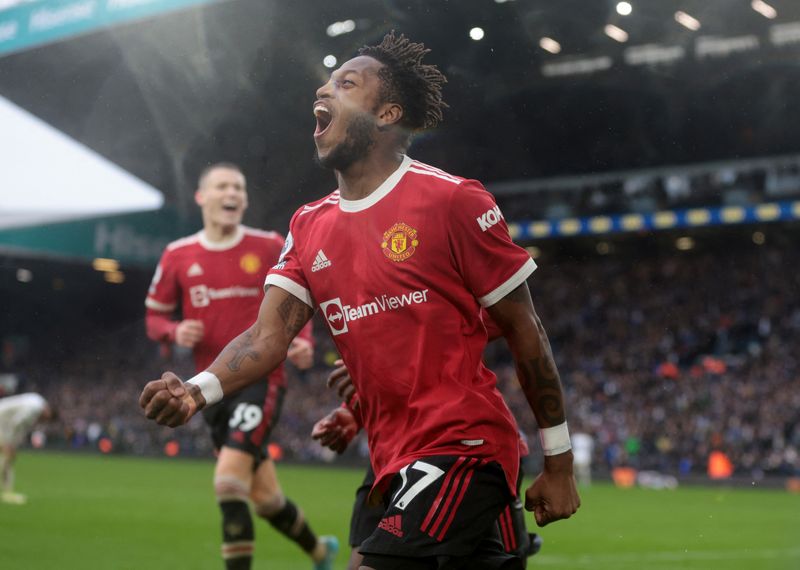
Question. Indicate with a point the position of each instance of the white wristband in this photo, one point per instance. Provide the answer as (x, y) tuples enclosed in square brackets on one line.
[(210, 386), (555, 439)]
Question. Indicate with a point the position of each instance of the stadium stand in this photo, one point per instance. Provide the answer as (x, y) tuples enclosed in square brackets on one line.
[(666, 355)]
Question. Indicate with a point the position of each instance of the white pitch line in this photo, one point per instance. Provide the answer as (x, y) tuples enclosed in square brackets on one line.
[(672, 556)]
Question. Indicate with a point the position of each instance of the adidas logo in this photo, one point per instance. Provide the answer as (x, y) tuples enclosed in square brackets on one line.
[(194, 270), (320, 262), (393, 525)]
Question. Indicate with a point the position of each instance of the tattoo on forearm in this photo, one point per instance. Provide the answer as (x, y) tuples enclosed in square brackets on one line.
[(541, 383), (242, 348), (295, 314)]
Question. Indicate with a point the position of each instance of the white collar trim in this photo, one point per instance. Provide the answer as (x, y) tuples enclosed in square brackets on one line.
[(228, 243), (379, 193)]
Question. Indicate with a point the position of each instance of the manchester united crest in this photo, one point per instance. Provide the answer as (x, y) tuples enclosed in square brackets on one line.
[(250, 263), (400, 242)]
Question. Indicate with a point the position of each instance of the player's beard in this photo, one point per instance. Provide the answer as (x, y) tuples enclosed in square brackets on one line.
[(359, 139)]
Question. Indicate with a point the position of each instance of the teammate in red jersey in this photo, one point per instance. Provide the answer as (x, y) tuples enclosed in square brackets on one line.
[(398, 260), (216, 277)]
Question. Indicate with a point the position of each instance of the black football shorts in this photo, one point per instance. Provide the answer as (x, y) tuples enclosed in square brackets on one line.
[(441, 512), (245, 420)]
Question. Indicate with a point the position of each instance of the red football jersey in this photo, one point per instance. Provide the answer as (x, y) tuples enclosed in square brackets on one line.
[(400, 277), (219, 284)]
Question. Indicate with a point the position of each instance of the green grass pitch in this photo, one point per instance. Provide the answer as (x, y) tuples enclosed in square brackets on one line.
[(95, 512)]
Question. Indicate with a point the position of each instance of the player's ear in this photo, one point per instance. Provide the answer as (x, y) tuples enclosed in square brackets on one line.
[(199, 198), (389, 114)]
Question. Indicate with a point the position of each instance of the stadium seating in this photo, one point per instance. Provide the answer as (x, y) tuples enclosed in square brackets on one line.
[(665, 358)]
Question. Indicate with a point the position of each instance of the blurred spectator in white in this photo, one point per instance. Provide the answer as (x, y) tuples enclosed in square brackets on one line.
[(582, 450), (18, 415)]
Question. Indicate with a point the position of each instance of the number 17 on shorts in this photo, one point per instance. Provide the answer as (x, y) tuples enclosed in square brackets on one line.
[(440, 505)]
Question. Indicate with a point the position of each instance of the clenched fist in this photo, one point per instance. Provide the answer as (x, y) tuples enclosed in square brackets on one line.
[(336, 430), (553, 495), (301, 353), (189, 332), (169, 401)]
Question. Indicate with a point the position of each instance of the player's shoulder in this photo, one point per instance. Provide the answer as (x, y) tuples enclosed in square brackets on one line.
[(183, 242), (323, 206), (437, 177), (24, 399), (33, 399), (263, 235), (440, 188), (438, 184)]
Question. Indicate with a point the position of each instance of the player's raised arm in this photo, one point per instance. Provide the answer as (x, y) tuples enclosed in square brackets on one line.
[(245, 360), (553, 495)]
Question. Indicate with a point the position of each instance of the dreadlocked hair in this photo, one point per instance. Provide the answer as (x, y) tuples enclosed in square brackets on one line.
[(416, 86)]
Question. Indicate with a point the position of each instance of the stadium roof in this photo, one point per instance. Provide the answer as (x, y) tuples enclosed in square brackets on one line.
[(537, 88), (48, 177)]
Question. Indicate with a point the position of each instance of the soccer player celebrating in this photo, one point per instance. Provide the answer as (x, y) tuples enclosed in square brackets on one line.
[(398, 260), (216, 275)]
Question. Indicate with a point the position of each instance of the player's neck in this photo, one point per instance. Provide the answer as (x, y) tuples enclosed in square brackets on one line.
[(217, 233), (363, 177)]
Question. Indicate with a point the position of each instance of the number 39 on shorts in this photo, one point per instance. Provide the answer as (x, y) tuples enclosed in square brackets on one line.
[(402, 499), (246, 417)]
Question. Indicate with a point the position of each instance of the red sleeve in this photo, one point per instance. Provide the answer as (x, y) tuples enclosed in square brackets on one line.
[(160, 326), (288, 272), (164, 291), (489, 262), (492, 329)]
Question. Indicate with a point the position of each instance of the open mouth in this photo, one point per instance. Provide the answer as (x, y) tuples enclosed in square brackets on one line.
[(230, 208), (324, 119)]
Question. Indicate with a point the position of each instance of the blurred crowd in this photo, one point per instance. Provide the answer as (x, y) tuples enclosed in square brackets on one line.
[(664, 359), (668, 358)]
